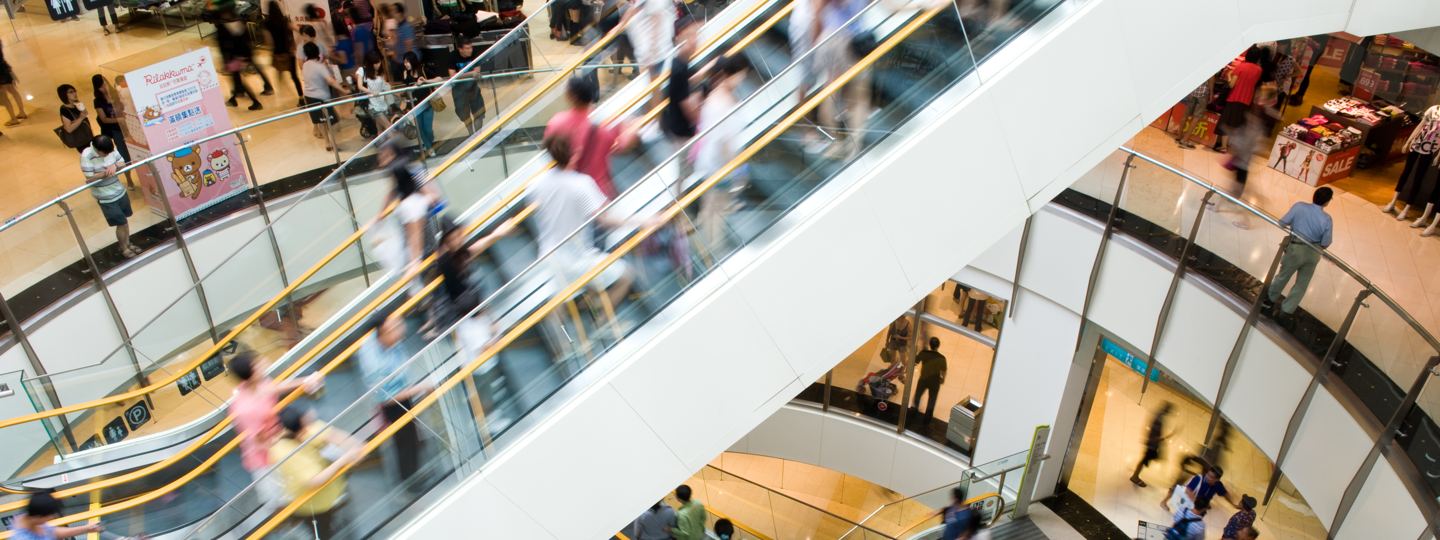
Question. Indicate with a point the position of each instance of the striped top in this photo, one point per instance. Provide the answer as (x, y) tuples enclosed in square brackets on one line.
[(92, 164)]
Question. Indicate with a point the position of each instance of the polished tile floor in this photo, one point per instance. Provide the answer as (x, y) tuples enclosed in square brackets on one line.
[(1113, 443)]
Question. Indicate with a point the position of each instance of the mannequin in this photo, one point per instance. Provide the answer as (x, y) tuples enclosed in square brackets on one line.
[(1417, 182)]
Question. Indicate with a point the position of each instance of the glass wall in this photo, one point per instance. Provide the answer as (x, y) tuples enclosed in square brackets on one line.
[(947, 352)]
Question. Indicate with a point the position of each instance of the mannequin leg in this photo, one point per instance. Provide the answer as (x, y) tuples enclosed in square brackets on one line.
[(1429, 207), (1431, 230), (1391, 207), (1401, 212)]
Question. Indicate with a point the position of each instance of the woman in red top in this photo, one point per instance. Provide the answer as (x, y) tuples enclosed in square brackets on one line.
[(1243, 79)]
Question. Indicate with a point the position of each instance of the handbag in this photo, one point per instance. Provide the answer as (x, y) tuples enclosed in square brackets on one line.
[(79, 138), (438, 104)]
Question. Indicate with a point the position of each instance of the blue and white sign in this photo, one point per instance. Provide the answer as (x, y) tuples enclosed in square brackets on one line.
[(1126, 358)]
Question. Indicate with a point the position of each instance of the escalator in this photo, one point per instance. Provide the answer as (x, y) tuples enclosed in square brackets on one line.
[(550, 335), (195, 464)]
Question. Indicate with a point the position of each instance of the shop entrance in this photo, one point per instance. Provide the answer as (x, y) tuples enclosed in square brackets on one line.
[(1112, 430)]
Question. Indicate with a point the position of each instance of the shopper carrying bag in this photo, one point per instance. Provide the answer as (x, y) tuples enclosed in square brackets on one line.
[(74, 128)]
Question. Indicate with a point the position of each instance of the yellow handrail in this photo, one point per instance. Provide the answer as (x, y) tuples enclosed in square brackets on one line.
[(389, 292), (570, 290)]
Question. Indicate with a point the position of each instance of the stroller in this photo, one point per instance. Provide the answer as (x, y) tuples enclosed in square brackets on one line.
[(880, 384)]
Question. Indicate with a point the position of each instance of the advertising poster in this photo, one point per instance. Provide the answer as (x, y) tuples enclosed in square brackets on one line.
[(1308, 164), (175, 103)]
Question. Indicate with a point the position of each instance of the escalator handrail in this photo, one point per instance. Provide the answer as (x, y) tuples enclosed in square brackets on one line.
[(998, 512), (514, 333), (773, 493), (363, 313)]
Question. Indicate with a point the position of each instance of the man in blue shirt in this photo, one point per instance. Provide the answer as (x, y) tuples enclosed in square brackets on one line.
[(381, 356), (1310, 221)]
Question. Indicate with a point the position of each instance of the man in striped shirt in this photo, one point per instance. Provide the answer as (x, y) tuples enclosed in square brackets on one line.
[(100, 162)]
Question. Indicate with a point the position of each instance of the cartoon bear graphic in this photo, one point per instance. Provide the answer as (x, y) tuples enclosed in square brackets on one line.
[(151, 116), (220, 164), (186, 171)]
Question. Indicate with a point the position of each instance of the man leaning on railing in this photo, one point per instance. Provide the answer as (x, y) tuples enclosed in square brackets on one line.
[(101, 161)]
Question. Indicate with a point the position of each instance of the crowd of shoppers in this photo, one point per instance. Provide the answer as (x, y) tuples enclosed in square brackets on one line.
[(1201, 477)]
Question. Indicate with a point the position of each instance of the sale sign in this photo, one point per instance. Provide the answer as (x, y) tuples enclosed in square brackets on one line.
[(1334, 54), (175, 103), (1308, 164), (1365, 84)]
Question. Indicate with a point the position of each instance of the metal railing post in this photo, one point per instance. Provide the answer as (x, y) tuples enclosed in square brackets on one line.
[(1019, 265), (190, 265), (1322, 371), (355, 224), (1352, 491), (1100, 251), (269, 230), (1170, 293), (1240, 341), (99, 280), (18, 331), (825, 399)]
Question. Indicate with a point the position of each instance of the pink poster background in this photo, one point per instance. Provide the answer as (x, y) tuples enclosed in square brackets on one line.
[(177, 102)]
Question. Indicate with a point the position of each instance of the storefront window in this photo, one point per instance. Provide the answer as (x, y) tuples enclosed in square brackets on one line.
[(870, 381), (952, 373), (1114, 443)]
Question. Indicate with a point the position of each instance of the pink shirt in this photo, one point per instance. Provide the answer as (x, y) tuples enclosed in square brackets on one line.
[(255, 420), (590, 157)]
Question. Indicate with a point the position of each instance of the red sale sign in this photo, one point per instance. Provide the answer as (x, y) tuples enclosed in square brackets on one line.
[(1365, 84), (1307, 164), (1334, 55)]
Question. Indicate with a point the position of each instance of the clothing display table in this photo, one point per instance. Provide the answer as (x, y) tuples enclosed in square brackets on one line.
[(1386, 138)]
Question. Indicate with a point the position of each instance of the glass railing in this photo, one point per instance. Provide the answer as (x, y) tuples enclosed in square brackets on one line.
[(339, 330), (990, 490), (1363, 337), (544, 337)]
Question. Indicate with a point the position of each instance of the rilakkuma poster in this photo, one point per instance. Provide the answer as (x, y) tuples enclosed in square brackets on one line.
[(174, 104)]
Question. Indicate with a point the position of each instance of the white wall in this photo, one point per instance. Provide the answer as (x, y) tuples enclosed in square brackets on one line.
[(841, 442)]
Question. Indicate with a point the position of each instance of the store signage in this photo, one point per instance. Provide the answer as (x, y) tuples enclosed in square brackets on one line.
[(115, 431), (171, 105), (189, 382), (1365, 84), (1201, 133), (1164, 119), (137, 415), (1128, 359), (1308, 164), (1334, 54), (213, 367), (92, 442)]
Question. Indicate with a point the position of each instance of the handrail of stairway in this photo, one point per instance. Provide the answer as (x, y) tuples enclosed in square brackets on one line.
[(1395, 306), (514, 333), (793, 499), (364, 312)]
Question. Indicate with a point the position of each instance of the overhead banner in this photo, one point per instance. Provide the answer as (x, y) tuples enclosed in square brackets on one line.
[(177, 102)]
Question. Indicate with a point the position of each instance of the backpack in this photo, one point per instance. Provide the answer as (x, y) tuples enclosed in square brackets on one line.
[(1181, 529)]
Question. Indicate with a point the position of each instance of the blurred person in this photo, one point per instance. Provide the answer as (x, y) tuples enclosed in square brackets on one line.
[(650, 25), (975, 303), (955, 517), (413, 204), (281, 37), (379, 104), (681, 113), (719, 144), (319, 83), (8, 91), (932, 374), (566, 201), (110, 120), (1240, 520), (590, 143), (411, 74), (724, 529), (252, 409), (100, 8), (362, 31), (1155, 438), (1245, 141), (1297, 97), (1247, 533), (39, 511), (1242, 80), (298, 455), (382, 355), (73, 116), (1219, 443), (1195, 109), (1190, 466), (452, 262), (1307, 220), (833, 58), (399, 39), (346, 55), (656, 522), (467, 95), (690, 517), (1188, 524), (897, 337), (234, 41), (100, 161)]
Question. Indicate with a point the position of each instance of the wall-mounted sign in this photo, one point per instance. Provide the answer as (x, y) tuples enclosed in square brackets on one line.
[(1128, 359), (115, 431), (137, 415), (213, 367), (92, 442), (189, 382)]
